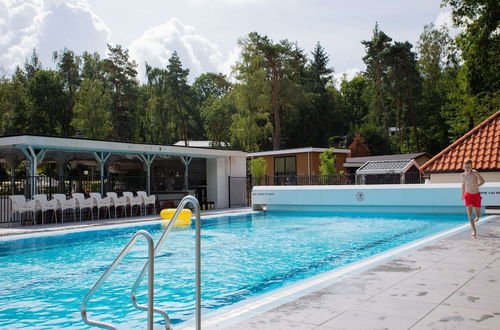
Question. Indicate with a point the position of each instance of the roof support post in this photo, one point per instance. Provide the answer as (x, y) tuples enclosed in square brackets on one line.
[(12, 162), (101, 158), (186, 161), (34, 158), (148, 160)]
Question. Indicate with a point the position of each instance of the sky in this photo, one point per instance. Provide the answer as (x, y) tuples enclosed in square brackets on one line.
[(205, 33)]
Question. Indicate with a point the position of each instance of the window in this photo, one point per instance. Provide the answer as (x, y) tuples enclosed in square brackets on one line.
[(285, 165)]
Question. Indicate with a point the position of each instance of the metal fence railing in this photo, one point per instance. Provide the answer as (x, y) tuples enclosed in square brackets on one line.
[(169, 191)]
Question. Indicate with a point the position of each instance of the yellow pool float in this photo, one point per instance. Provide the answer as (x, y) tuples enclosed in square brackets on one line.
[(183, 220)]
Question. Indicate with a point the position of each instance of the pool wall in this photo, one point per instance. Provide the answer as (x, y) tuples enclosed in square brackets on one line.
[(414, 198)]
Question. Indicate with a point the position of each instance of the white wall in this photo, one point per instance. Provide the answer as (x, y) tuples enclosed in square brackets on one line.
[(218, 171), (455, 177), (421, 198)]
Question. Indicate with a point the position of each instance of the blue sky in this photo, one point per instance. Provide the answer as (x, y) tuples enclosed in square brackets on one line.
[(205, 32)]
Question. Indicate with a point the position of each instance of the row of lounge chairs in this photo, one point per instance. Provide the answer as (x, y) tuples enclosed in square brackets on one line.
[(79, 203)]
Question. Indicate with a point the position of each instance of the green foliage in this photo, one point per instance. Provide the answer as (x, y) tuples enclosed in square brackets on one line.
[(282, 96), (179, 96), (258, 167), (46, 116), (120, 78), (327, 162), (216, 114), (92, 110)]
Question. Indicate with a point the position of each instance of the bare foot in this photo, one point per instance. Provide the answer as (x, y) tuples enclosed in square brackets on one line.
[(473, 234), (476, 219)]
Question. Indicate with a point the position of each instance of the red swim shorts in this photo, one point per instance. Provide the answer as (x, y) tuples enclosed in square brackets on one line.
[(472, 199)]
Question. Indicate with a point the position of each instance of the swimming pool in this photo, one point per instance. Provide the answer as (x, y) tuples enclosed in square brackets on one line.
[(43, 279)]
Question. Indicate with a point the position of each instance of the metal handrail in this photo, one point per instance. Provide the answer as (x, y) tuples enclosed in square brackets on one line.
[(98, 284), (157, 248)]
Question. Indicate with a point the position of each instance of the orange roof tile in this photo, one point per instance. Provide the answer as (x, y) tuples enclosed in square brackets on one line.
[(481, 145)]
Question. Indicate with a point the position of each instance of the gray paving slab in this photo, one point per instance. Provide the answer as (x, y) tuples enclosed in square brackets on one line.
[(453, 283)]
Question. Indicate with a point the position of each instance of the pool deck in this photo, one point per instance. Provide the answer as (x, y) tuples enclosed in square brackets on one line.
[(452, 283)]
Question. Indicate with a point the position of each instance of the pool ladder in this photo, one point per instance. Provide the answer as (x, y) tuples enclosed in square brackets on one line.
[(149, 267)]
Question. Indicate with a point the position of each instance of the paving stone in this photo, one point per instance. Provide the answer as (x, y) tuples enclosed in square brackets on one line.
[(400, 307), (469, 299), (361, 320), (453, 317)]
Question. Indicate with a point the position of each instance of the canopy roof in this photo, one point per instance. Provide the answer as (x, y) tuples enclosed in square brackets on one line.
[(57, 148), (387, 166)]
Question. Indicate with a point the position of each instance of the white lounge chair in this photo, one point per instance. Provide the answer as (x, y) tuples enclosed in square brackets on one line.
[(20, 206), (44, 205), (65, 204), (83, 203), (117, 202), (101, 202), (147, 200), (133, 201)]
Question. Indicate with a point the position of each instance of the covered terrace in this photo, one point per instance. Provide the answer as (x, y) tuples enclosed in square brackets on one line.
[(157, 169)]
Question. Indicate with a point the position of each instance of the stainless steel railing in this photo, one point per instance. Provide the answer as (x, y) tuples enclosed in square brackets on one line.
[(149, 267), (159, 245), (100, 282)]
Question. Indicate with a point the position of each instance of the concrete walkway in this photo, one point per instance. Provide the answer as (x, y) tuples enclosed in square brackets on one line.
[(453, 283)]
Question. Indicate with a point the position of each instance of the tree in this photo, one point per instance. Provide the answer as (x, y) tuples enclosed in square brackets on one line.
[(216, 114), (327, 162), (179, 96), (15, 104), (210, 84), (477, 95), (479, 42), (376, 139), (69, 68), (358, 147), (45, 91), (120, 75), (404, 84), (356, 99), (92, 110), (317, 112), (33, 65), (158, 118), (436, 63), (271, 63), (376, 73), (258, 168), (207, 85)]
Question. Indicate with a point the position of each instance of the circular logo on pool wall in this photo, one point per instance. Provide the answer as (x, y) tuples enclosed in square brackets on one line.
[(360, 196)]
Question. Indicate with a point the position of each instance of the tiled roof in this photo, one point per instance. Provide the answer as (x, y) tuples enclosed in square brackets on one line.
[(481, 145)]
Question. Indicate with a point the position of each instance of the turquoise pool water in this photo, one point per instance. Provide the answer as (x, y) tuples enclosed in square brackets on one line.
[(43, 279)]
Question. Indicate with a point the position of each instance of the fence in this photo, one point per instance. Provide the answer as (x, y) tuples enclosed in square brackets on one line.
[(168, 190), (238, 192), (336, 179)]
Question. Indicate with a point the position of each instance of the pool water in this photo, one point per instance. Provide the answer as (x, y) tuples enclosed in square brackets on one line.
[(44, 279)]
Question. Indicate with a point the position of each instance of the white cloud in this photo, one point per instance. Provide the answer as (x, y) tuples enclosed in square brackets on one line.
[(196, 52), (347, 75), (48, 26), (444, 19)]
